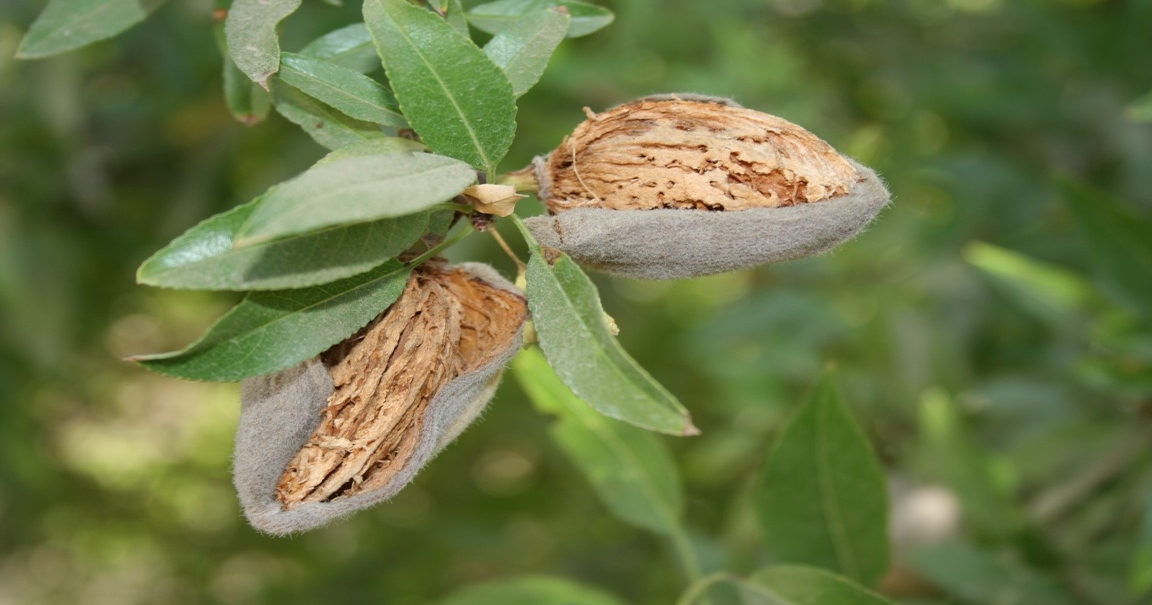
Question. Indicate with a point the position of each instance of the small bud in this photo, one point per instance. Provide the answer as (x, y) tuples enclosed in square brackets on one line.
[(350, 428), (680, 186), (499, 200)]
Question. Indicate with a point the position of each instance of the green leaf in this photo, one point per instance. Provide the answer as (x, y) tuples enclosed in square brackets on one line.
[(822, 498), (796, 585), (204, 257), (246, 101), (351, 92), (452, 94), (1051, 293), (524, 48), (325, 125), (1141, 574), (495, 17), (270, 331), (252, 39), (1141, 109), (1119, 242), (975, 577), (452, 12), (965, 466), (355, 190), (531, 590), (350, 47), (630, 469), (69, 24), (573, 334)]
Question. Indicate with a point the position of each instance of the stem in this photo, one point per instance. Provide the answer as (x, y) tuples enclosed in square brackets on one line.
[(703, 585), (447, 243), (520, 266), (686, 555)]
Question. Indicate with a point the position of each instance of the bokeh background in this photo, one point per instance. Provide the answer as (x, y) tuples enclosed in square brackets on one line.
[(994, 343)]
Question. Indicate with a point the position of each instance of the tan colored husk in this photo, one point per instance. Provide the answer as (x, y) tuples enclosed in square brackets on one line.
[(690, 153), (445, 324), (347, 429)]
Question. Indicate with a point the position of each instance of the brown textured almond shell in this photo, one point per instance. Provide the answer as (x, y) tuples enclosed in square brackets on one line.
[(350, 428)]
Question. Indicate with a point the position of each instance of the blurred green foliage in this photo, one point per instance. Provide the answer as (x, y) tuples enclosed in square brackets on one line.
[(996, 346)]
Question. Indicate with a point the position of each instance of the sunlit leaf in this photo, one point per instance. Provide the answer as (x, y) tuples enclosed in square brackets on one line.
[(459, 102), (571, 330), (630, 469), (822, 498), (270, 331), (324, 124), (355, 190), (204, 257), (523, 49), (350, 47), (349, 91), (69, 24), (1119, 242), (1049, 292), (252, 38), (246, 100), (496, 17), (531, 590)]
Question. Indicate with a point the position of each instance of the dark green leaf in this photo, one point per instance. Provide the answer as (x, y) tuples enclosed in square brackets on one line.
[(630, 469), (531, 590), (69, 24), (1119, 242), (252, 38), (495, 17), (450, 91), (975, 577), (796, 585), (204, 257), (270, 331), (246, 101), (350, 47), (524, 48), (325, 125), (571, 329), (351, 92), (822, 497), (357, 189)]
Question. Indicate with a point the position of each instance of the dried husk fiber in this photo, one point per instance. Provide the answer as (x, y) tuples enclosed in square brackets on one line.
[(348, 429), (679, 186)]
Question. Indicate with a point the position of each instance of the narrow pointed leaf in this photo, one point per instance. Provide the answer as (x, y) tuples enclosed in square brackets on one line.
[(452, 94), (270, 331), (324, 124), (356, 190), (252, 38), (796, 585), (822, 497), (496, 17), (531, 590), (246, 101), (350, 47), (351, 92), (524, 48), (204, 258), (572, 332), (630, 469), (1119, 242), (69, 24)]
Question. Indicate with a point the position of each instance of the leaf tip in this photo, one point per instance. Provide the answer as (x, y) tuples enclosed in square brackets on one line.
[(689, 430)]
